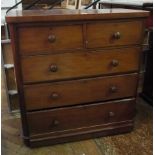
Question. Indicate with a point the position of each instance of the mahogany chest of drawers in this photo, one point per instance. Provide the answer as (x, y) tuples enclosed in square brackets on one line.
[(76, 71)]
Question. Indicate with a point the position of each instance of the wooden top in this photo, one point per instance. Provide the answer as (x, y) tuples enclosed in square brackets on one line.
[(19, 16)]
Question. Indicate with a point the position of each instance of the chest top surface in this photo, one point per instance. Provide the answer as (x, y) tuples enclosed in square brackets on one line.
[(20, 16)]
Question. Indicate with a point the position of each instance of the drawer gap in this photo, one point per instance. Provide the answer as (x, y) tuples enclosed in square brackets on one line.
[(82, 104)]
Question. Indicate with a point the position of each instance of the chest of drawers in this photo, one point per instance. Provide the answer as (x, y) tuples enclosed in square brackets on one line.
[(77, 72)]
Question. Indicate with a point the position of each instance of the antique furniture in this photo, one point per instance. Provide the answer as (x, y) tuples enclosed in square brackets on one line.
[(77, 72)]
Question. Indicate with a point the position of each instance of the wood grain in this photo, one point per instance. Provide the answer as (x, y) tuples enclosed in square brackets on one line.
[(81, 116), (72, 15), (130, 33), (19, 80), (79, 91), (80, 64), (33, 40)]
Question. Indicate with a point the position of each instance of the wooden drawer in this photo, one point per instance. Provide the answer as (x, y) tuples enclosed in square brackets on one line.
[(34, 40), (114, 33), (84, 64), (80, 116), (79, 91)]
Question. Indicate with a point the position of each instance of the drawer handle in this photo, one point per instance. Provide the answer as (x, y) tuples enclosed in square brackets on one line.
[(54, 95), (53, 68), (117, 35), (56, 122), (113, 89), (111, 114), (51, 38), (115, 63)]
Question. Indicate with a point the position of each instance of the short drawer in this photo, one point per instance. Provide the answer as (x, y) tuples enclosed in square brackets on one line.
[(80, 116), (83, 64), (34, 40), (75, 92), (114, 33)]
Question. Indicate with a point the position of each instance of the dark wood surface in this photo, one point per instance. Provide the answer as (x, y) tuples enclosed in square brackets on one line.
[(32, 41), (92, 86), (60, 37), (80, 116), (80, 64), (105, 33), (14, 43), (80, 91), (72, 15)]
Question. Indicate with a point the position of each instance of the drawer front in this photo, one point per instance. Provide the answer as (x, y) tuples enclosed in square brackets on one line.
[(84, 64), (34, 40), (80, 116), (79, 91), (112, 34)]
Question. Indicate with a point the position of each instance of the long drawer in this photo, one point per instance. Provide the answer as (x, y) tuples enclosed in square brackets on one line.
[(83, 64), (80, 116), (74, 92), (34, 40), (114, 33)]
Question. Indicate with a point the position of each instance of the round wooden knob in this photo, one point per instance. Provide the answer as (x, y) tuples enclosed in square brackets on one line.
[(56, 122), (115, 63), (113, 89), (117, 35), (51, 38), (111, 114), (54, 95), (53, 68)]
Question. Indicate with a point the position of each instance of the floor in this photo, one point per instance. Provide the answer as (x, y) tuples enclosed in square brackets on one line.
[(138, 142)]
